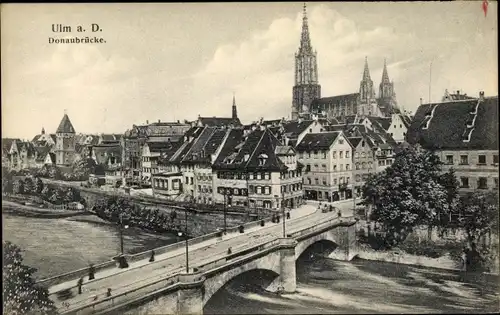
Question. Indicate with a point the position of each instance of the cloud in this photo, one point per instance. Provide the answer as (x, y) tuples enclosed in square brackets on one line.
[(260, 68)]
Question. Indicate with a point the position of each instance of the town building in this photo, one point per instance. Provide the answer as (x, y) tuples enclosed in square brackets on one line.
[(327, 160), (44, 139), (65, 143), (6, 146), (22, 155), (450, 97), (464, 134), (253, 169)]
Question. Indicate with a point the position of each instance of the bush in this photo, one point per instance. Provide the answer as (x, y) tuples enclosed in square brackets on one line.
[(20, 293)]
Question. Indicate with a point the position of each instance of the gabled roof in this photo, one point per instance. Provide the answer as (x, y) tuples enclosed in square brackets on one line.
[(406, 120), (42, 153), (447, 123), (7, 143), (294, 128), (205, 145), (355, 141), (384, 123), (245, 153), (317, 141), (65, 126), (219, 121)]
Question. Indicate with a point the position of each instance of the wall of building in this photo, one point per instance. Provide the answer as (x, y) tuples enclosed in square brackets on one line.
[(473, 170), (397, 129)]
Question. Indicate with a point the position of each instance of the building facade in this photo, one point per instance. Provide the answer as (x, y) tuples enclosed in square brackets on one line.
[(464, 134), (327, 160)]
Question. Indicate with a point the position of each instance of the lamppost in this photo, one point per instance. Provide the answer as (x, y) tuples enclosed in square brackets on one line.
[(122, 260), (225, 218), (186, 238), (283, 211)]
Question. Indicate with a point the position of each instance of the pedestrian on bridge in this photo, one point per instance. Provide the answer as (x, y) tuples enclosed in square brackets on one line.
[(79, 284), (152, 258), (288, 215), (108, 294), (91, 272)]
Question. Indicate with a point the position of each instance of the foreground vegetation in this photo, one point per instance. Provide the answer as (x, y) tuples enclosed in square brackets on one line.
[(413, 192)]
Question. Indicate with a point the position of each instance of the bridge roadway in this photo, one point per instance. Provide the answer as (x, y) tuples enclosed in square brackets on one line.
[(124, 280)]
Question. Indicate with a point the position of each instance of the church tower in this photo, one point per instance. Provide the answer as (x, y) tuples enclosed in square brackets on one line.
[(367, 101), (235, 113), (387, 96), (65, 143), (306, 87)]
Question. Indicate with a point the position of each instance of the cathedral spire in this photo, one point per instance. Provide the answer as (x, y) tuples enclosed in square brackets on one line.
[(235, 113), (43, 130), (385, 75), (305, 41), (366, 72)]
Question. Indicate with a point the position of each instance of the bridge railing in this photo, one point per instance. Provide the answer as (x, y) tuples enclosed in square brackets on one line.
[(126, 295), (344, 221)]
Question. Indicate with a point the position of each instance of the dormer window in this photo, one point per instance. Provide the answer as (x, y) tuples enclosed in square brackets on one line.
[(262, 159)]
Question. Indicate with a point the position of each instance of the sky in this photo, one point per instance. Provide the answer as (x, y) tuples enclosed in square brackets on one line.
[(175, 61)]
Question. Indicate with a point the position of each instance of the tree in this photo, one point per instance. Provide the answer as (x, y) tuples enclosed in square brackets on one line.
[(20, 293), (29, 186), (478, 214), (54, 172), (69, 195), (18, 186), (406, 194), (6, 186), (46, 192), (39, 186)]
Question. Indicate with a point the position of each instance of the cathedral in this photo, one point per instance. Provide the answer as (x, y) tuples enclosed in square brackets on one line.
[(307, 100)]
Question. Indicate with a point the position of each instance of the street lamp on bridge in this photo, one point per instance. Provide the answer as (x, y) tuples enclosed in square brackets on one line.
[(122, 261), (186, 238)]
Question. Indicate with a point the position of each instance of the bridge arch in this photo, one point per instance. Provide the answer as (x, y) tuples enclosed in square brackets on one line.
[(268, 265), (326, 237)]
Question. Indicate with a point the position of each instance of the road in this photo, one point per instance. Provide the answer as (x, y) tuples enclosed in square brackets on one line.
[(143, 272)]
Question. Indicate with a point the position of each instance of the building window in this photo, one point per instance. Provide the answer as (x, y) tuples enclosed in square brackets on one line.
[(358, 178), (324, 154), (482, 159), (495, 159), (340, 154), (449, 159), (309, 181), (341, 167), (316, 181), (482, 183), (308, 168), (259, 190), (347, 167), (347, 154), (335, 168), (464, 182), (496, 182), (357, 166), (464, 159), (341, 141), (334, 154)]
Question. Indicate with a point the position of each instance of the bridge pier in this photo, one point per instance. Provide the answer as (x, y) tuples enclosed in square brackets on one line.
[(288, 276), (190, 294)]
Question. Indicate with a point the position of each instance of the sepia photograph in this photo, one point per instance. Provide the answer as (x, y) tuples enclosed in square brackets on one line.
[(250, 158)]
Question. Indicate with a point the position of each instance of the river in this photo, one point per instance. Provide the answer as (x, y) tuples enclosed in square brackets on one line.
[(58, 245), (327, 286)]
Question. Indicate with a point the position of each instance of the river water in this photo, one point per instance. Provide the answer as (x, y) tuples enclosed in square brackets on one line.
[(327, 286)]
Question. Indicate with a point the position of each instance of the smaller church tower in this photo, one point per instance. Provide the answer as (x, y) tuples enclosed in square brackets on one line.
[(235, 113), (367, 100), (387, 96), (65, 143)]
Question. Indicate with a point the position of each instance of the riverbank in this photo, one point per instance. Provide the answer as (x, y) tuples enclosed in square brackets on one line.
[(14, 208)]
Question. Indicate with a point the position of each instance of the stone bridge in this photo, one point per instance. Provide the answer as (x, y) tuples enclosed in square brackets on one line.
[(275, 255)]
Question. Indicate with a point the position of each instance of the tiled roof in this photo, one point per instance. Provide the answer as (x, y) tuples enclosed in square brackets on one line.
[(384, 123), (206, 144), (406, 120), (245, 153), (159, 146), (65, 126), (54, 137), (7, 143), (166, 154), (448, 123), (219, 121), (317, 141), (355, 141), (42, 153), (103, 152), (294, 128)]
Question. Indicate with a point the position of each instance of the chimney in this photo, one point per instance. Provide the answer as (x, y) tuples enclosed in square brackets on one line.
[(481, 95), (212, 158), (420, 101), (178, 121), (246, 157), (159, 121), (458, 92), (147, 122), (300, 120)]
